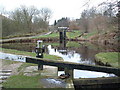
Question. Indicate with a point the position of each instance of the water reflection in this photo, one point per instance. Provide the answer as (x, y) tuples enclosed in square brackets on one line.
[(72, 56), (29, 47)]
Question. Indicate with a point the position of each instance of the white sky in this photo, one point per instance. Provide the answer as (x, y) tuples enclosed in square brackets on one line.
[(60, 8)]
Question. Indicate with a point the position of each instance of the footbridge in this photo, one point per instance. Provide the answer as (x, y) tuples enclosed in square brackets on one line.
[(70, 66)]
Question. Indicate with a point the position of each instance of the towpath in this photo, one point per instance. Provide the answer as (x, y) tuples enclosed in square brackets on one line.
[(29, 37)]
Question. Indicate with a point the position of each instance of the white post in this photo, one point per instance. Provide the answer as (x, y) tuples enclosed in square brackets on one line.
[(38, 43)]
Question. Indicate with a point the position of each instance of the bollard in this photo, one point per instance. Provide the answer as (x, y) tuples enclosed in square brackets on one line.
[(39, 49), (39, 53)]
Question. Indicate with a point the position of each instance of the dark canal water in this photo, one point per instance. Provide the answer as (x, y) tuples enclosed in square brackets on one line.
[(79, 52)]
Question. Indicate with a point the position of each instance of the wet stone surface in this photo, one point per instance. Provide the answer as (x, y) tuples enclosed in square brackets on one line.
[(53, 83), (31, 69), (31, 74)]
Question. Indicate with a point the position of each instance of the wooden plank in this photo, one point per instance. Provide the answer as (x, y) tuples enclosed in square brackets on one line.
[(72, 65)]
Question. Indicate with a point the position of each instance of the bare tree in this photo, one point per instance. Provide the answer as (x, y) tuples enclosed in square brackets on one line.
[(24, 16), (73, 25), (45, 14), (85, 20), (26, 20), (28, 14)]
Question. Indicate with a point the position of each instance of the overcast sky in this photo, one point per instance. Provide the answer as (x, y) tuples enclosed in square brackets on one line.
[(60, 8)]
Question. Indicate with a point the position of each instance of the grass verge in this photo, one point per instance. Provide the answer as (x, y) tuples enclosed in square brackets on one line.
[(46, 56), (90, 34), (7, 62), (74, 34), (21, 81), (25, 34), (110, 57), (73, 44), (52, 35)]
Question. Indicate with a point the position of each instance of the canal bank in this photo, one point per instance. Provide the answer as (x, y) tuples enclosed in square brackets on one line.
[(109, 58)]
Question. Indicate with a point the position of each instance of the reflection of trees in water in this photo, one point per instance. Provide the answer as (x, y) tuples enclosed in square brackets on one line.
[(107, 48), (86, 54), (20, 46)]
